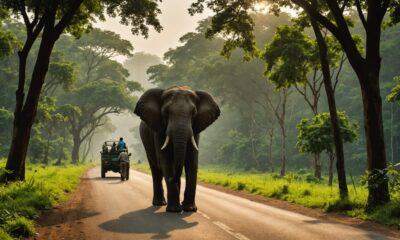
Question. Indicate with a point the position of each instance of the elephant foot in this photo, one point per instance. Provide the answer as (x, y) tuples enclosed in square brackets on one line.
[(174, 208), (161, 202), (189, 207)]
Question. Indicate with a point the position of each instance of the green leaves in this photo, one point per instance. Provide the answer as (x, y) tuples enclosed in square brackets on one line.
[(394, 95), (316, 134), (289, 57), (101, 94), (105, 43), (232, 20), (139, 14)]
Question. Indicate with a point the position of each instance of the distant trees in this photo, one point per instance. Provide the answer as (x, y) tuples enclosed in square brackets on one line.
[(137, 66), (50, 19), (87, 106)]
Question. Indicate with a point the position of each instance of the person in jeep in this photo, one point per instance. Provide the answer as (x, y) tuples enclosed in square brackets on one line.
[(121, 144)]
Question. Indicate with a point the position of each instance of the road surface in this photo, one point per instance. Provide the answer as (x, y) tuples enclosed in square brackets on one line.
[(112, 210)]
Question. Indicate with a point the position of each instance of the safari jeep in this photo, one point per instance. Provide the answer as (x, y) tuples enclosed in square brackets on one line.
[(109, 159)]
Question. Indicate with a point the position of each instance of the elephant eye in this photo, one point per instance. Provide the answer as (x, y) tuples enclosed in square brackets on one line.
[(164, 112)]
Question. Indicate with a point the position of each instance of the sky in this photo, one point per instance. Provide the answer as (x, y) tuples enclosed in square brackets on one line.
[(175, 20)]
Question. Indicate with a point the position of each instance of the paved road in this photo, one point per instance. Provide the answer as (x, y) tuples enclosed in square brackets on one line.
[(114, 210)]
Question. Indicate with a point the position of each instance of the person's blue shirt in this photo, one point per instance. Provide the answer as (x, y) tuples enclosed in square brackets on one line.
[(121, 145)]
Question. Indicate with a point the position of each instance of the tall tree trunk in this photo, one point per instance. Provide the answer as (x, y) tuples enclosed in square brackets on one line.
[(61, 149), (22, 129), (253, 147), (282, 121), (344, 192), (317, 165), (391, 134), (46, 152), (271, 136), (372, 102), (283, 150), (88, 147), (377, 184), (75, 148), (331, 160)]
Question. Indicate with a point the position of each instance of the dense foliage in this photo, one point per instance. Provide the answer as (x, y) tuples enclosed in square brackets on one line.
[(82, 87)]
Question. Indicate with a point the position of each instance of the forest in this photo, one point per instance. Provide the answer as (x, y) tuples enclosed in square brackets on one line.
[(266, 71)]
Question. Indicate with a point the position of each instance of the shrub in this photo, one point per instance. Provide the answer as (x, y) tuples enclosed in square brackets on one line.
[(339, 205), (20, 227), (310, 178), (240, 186), (306, 192)]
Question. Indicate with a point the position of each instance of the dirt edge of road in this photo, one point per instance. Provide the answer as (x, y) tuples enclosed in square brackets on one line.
[(315, 213), (63, 221)]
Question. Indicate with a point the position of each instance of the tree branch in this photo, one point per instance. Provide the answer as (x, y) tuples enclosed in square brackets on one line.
[(66, 19), (361, 14), (318, 16)]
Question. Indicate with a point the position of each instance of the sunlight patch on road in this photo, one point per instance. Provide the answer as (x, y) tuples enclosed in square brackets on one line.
[(204, 215), (225, 227), (230, 231)]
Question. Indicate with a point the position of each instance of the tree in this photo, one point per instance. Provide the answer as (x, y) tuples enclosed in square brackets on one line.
[(233, 20), (289, 58), (49, 20), (49, 121), (87, 106), (316, 135), (61, 73), (98, 47)]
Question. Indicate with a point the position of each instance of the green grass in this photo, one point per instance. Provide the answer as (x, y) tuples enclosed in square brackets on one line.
[(300, 188), (43, 188)]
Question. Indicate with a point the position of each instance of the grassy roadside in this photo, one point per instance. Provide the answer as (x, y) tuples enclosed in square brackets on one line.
[(300, 188), (45, 186)]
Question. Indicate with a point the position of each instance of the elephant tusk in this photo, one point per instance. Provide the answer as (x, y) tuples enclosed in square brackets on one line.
[(194, 144), (165, 143)]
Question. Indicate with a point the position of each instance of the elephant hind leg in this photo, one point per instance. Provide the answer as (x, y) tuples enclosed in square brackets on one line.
[(158, 191)]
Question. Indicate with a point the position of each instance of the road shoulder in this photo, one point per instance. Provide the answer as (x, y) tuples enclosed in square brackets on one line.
[(315, 213)]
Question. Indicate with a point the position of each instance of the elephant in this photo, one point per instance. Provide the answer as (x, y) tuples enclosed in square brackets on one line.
[(172, 120)]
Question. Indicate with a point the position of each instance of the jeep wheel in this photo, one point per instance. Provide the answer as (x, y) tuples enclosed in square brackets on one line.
[(103, 172)]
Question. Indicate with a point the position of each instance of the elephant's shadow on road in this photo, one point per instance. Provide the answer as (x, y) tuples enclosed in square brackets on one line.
[(149, 221)]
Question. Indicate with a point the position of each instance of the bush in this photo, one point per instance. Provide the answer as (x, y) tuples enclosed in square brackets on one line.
[(306, 192), (240, 186), (340, 205), (20, 227), (310, 178)]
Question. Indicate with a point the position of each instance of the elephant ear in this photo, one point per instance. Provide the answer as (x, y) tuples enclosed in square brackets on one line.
[(207, 112), (148, 108)]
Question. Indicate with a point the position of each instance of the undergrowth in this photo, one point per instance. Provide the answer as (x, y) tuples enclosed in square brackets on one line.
[(20, 202)]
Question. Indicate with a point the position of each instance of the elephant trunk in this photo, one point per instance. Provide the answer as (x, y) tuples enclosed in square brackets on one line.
[(180, 139), (179, 133)]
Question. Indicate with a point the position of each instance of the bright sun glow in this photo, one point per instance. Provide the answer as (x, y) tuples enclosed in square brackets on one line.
[(261, 7)]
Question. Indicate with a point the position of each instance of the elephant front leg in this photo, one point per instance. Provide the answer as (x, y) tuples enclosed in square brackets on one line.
[(173, 190), (189, 203)]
